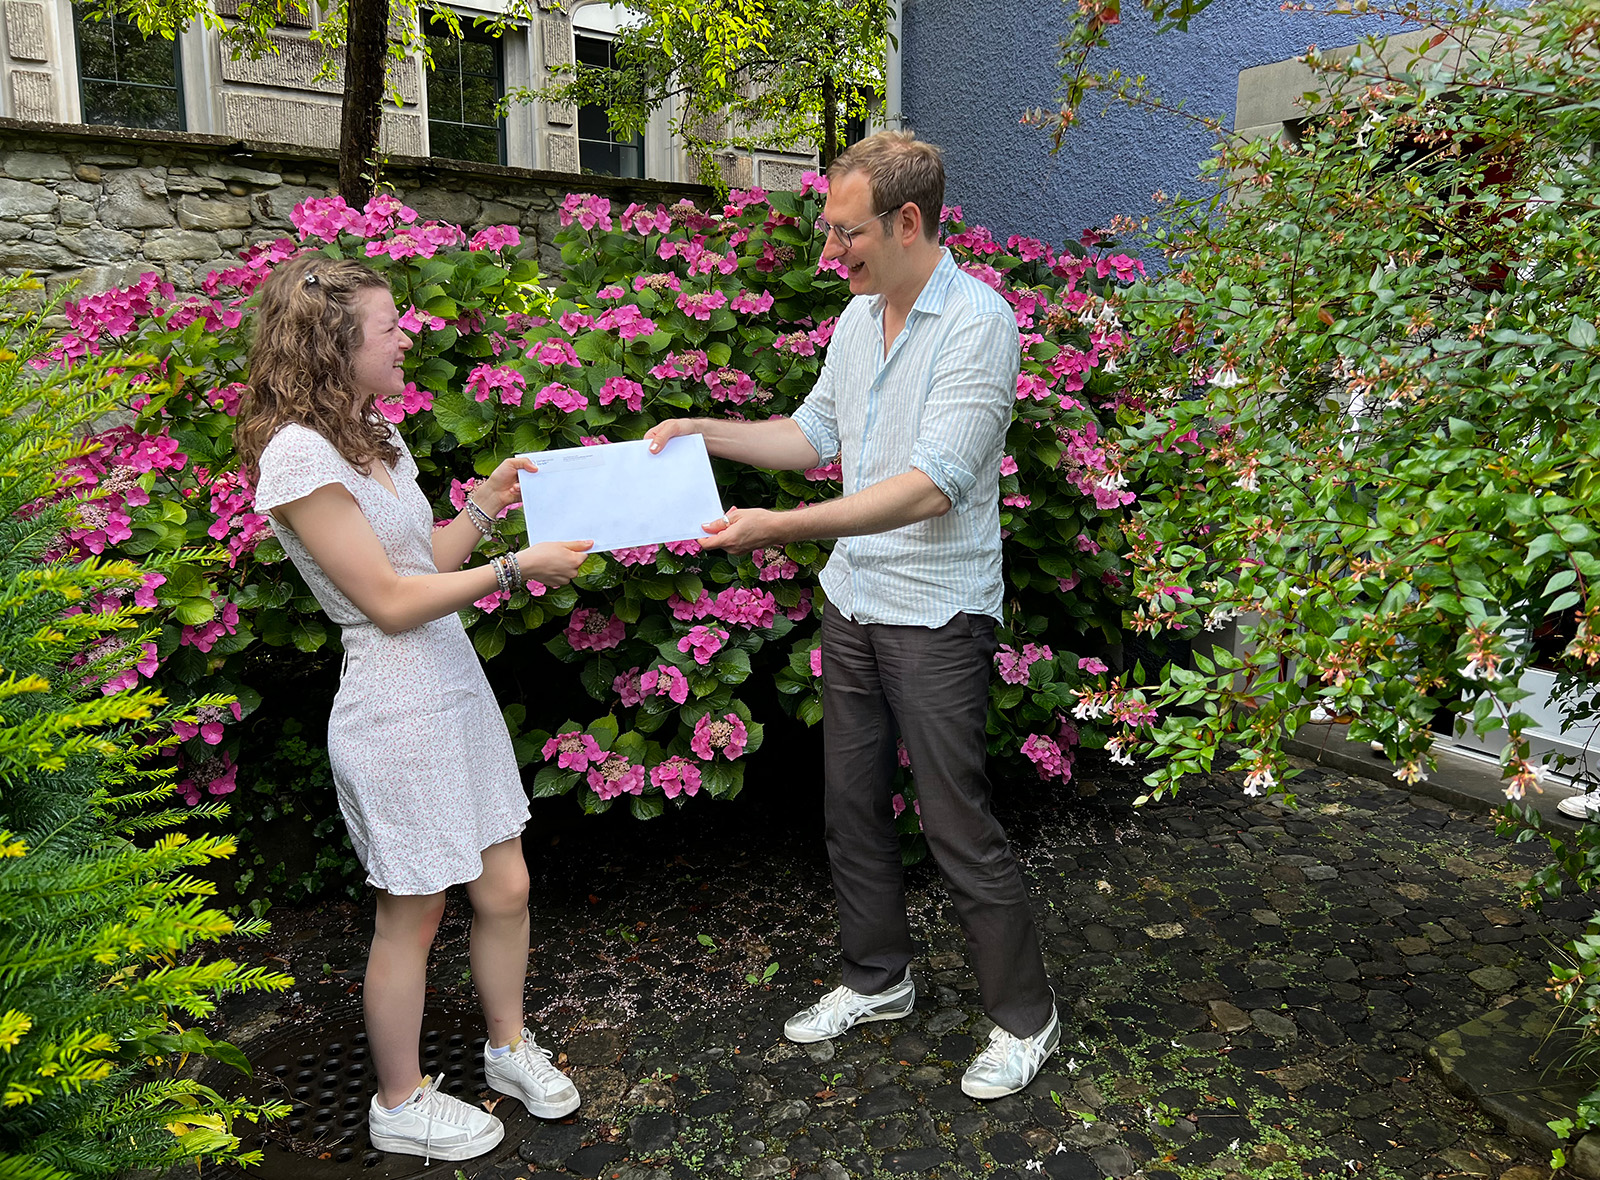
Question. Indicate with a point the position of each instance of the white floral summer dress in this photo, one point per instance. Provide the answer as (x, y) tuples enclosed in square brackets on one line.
[(420, 753)]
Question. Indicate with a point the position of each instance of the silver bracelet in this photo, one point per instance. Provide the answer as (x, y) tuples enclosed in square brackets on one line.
[(480, 519), (502, 576), (514, 568)]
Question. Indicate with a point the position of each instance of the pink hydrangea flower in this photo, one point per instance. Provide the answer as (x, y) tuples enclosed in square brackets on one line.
[(1093, 666), (753, 304), (412, 401), (745, 607), (816, 661), (700, 307), (1016, 501), (775, 565), (684, 610), (554, 352), (725, 734), (486, 381), (208, 723), (665, 681), (592, 630), (626, 321), (676, 776), (587, 209), (1008, 465), (562, 397), (1045, 755), (573, 322), (616, 775), (703, 642), (637, 555), (496, 237), (629, 393), (626, 686), (575, 750)]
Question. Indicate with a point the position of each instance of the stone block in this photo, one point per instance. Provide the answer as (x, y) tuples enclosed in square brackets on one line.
[(299, 60), (401, 134), (179, 245), (99, 245), (560, 152), (782, 175), (281, 120), (1272, 93), (457, 208), (272, 208), (27, 37), (18, 198), (33, 95), (1584, 1159), (23, 255), (560, 114), (221, 213), (286, 16), (130, 204), (558, 46), (75, 212), (228, 171)]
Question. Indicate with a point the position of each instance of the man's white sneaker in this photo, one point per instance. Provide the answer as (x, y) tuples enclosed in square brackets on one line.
[(842, 1009), (434, 1125), (527, 1075), (1008, 1063)]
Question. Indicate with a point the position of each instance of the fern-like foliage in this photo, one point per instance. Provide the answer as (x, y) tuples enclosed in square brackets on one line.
[(102, 907)]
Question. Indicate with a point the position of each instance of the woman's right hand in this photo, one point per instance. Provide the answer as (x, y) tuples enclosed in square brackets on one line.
[(553, 563)]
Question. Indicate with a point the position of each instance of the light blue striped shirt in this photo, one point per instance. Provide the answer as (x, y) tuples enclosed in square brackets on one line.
[(940, 402)]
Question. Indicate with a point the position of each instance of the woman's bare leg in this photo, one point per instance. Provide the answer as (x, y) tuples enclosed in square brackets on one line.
[(397, 975), (500, 939)]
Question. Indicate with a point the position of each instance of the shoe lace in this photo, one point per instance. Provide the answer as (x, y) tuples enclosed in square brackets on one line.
[(439, 1107), (536, 1059), (1003, 1046), (842, 1004)]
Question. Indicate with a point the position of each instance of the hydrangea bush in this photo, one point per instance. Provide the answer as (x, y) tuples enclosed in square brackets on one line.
[(658, 311)]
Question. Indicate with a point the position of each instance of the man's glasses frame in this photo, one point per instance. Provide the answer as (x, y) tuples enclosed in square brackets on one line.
[(846, 236)]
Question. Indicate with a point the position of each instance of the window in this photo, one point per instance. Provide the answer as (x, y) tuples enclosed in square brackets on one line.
[(465, 83), (598, 150), (126, 79)]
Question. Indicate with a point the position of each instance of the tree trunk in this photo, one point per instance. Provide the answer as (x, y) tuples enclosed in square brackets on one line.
[(830, 122), (365, 52)]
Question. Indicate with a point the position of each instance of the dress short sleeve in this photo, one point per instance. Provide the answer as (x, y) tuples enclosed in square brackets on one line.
[(296, 463)]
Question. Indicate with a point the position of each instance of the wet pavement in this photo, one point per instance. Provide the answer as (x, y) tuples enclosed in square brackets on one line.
[(1245, 991)]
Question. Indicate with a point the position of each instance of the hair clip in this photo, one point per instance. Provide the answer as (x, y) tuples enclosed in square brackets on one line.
[(311, 279)]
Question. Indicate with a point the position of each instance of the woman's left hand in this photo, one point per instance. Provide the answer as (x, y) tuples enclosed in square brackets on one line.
[(501, 489)]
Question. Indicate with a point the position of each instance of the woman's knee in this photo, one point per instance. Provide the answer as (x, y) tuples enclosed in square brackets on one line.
[(502, 890), (412, 920)]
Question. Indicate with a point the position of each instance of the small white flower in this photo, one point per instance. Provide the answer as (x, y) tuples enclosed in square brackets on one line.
[(1234, 1146), (1218, 616), (1111, 480), (1119, 755), (1033, 1166), (1258, 781), (1226, 377)]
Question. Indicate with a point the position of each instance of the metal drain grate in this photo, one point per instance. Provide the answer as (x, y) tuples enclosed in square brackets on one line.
[(325, 1074)]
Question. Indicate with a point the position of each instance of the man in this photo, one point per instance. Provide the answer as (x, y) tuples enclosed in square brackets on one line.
[(915, 398)]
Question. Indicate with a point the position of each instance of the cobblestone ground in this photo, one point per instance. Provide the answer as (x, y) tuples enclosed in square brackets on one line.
[(1244, 990)]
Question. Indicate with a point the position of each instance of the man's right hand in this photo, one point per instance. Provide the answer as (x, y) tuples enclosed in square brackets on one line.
[(663, 432)]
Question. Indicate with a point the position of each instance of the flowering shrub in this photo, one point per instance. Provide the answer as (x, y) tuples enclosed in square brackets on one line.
[(102, 927), (659, 311)]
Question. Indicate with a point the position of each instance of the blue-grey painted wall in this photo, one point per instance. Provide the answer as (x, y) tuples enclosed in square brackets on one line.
[(971, 67)]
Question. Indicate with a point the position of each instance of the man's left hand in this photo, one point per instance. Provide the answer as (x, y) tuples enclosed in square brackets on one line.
[(742, 530)]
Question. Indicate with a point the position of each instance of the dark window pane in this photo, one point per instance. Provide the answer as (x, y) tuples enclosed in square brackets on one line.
[(452, 141), (599, 158), (444, 97), (478, 96), (97, 58), (592, 51), (478, 57), (149, 62), (630, 160), (593, 123)]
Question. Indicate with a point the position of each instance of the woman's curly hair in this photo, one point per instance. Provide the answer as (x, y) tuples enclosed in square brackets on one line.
[(307, 332)]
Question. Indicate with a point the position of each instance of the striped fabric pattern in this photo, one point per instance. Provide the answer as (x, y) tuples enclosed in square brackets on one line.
[(940, 402)]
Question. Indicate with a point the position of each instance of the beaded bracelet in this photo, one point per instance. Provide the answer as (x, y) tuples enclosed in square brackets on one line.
[(502, 576), (480, 519)]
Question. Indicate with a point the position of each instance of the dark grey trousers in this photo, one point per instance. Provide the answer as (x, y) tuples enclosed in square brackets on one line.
[(931, 686)]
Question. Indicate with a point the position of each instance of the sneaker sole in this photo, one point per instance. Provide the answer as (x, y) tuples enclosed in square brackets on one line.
[(547, 1110), (804, 1037), (400, 1145)]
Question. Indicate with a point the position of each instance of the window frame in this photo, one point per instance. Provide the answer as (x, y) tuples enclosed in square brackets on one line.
[(637, 144), (497, 47), (113, 20)]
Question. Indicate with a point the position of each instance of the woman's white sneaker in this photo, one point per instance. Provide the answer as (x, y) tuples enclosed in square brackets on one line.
[(842, 1009), (434, 1125), (527, 1075)]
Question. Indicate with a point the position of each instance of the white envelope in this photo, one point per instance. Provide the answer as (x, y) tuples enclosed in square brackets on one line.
[(620, 495)]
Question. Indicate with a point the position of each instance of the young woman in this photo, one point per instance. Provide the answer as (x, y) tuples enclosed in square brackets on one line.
[(427, 783)]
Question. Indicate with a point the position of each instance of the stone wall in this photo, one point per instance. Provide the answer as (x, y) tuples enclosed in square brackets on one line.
[(103, 206)]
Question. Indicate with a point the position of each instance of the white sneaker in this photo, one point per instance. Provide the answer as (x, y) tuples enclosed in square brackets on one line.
[(843, 1009), (527, 1075), (434, 1125), (1008, 1063)]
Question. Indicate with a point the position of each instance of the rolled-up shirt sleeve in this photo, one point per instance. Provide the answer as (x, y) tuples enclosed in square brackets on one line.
[(969, 406), (817, 416)]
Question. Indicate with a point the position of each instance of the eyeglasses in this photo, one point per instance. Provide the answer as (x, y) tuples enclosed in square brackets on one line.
[(846, 236)]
